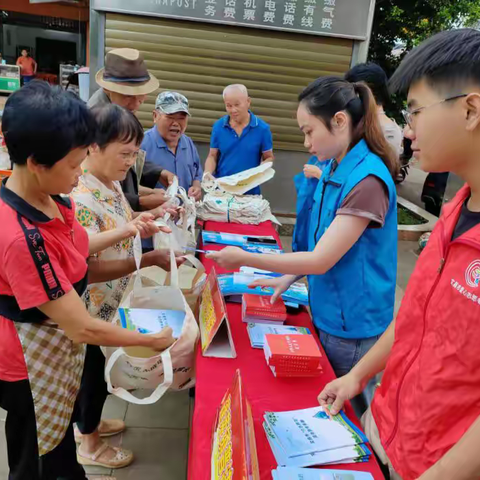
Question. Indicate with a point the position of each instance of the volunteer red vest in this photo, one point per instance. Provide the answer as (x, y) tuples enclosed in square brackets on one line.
[(430, 392)]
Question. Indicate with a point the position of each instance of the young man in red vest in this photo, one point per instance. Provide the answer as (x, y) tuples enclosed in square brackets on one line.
[(424, 422)]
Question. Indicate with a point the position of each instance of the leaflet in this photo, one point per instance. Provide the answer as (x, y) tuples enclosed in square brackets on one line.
[(250, 243), (353, 454), (313, 430), (290, 473), (238, 283), (145, 320), (257, 332)]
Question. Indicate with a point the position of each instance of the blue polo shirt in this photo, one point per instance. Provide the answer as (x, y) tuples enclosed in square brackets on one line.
[(239, 153), (185, 164)]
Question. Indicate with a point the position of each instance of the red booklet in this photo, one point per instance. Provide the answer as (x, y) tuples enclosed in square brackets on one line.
[(277, 372), (290, 354), (258, 309)]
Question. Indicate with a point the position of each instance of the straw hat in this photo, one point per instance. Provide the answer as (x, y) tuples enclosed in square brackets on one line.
[(125, 72)]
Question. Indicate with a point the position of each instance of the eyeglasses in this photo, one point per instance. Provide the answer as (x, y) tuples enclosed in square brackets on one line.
[(129, 156), (410, 116)]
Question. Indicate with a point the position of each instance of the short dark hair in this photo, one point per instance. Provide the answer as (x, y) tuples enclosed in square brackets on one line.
[(45, 123), (449, 60), (374, 76), (116, 124)]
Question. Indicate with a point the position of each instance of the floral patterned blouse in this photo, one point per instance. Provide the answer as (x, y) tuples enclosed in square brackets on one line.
[(100, 209)]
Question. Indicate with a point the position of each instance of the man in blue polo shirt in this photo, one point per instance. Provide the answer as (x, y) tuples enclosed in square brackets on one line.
[(167, 146), (240, 140)]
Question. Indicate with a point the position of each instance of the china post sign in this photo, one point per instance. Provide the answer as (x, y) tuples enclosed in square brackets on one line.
[(344, 18)]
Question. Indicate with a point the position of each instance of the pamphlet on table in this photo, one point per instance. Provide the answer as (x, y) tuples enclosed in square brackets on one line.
[(236, 284), (292, 355), (234, 450), (290, 473), (257, 332), (309, 437), (250, 243), (145, 320)]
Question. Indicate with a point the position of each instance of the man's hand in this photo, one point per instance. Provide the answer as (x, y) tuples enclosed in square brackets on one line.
[(336, 393), (279, 284), (166, 178), (196, 192), (154, 200), (230, 258), (161, 258), (312, 171)]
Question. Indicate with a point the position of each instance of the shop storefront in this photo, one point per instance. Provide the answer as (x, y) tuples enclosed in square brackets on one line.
[(274, 47)]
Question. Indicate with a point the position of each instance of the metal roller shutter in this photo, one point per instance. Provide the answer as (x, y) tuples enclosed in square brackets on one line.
[(200, 59)]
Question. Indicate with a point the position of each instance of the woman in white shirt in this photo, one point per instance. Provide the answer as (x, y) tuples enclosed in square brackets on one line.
[(374, 76)]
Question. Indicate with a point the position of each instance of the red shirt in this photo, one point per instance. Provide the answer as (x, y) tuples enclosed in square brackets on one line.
[(430, 391), (40, 260), (28, 66)]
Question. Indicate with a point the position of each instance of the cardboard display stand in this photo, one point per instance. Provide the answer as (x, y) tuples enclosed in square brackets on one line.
[(234, 451), (215, 333)]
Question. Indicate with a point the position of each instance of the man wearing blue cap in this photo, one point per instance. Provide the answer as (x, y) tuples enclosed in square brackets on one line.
[(167, 146)]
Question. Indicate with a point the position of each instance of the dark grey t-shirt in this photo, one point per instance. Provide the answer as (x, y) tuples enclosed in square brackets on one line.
[(466, 221)]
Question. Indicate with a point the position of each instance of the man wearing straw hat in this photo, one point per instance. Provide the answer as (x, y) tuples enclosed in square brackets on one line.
[(126, 81)]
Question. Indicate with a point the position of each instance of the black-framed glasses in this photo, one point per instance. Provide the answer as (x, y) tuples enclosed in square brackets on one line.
[(409, 116)]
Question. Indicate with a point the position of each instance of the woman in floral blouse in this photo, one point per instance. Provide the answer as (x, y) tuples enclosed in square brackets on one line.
[(102, 207)]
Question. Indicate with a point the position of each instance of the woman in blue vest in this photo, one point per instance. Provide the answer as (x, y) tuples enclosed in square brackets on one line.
[(346, 236)]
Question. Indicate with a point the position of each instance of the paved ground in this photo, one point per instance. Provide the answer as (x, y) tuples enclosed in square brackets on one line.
[(159, 434)]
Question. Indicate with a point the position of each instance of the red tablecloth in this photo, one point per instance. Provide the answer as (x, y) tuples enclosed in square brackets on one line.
[(263, 390)]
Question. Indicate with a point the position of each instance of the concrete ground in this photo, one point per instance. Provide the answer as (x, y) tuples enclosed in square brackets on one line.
[(159, 434)]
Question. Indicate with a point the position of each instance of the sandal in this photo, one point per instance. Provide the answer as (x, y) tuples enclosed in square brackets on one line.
[(106, 428), (122, 458)]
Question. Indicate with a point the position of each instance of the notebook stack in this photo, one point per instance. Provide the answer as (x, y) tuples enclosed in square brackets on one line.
[(310, 437), (289, 473), (258, 309), (257, 332), (292, 355)]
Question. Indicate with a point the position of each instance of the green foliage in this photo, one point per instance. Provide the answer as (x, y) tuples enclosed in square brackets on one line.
[(410, 22)]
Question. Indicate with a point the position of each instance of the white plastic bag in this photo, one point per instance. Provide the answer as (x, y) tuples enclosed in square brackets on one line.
[(241, 182), (183, 230), (129, 368)]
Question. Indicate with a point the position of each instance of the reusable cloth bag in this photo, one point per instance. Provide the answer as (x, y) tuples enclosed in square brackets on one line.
[(130, 368)]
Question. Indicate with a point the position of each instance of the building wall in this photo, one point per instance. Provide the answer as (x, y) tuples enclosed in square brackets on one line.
[(72, 12), (14, 35)]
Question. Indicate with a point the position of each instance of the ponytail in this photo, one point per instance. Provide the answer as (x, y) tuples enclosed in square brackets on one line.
[(327, 96), (369, 129)]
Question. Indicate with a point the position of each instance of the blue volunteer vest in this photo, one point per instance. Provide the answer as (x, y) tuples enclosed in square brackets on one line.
[(305, 188), (355, 298)]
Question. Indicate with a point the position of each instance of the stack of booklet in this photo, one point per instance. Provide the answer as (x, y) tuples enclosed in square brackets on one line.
[(250, 243), (257, 332), (292, 355), (259, 309), (309, 437), (289, 473)]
